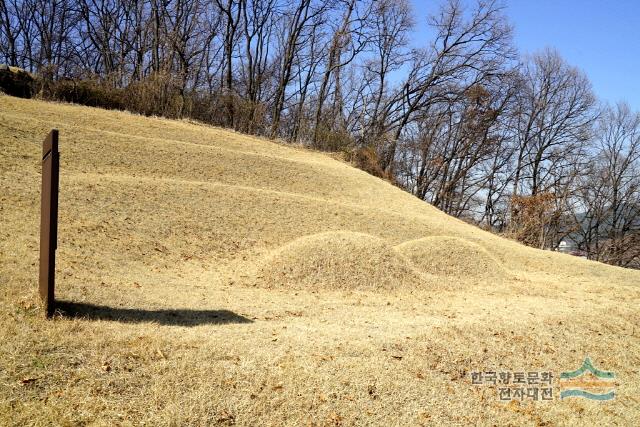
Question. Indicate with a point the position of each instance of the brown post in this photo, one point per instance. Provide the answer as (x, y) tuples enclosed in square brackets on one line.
[(49, 220)]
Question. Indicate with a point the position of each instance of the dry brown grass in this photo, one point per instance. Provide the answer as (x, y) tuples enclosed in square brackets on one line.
[(336, 260), (223, 279), (453, 256)]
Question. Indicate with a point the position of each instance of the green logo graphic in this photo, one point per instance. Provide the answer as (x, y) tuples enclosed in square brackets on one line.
[(587, 382)]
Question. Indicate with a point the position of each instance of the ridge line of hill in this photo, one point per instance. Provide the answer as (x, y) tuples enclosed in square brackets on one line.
[(158, 140), (178, 181)]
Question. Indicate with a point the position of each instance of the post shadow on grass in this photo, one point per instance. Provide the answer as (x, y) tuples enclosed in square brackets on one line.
[(174, 317)]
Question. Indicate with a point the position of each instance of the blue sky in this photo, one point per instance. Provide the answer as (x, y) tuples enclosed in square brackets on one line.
[(600, 37)]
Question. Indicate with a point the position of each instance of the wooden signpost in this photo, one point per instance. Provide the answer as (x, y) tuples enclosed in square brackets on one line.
[(49, 220)]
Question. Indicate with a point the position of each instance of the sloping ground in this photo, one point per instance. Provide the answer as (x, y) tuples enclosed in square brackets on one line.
[(211, 277)]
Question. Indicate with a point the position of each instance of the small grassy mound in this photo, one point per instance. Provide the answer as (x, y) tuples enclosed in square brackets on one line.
[(337, 260), (452, 256)]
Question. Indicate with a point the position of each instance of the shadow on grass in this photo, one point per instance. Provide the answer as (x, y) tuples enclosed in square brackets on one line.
[(174, 317)]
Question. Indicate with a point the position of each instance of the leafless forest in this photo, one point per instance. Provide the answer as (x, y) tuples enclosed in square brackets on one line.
[(518, 144)]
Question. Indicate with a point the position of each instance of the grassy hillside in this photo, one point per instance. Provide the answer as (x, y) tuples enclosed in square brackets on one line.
[(210, 277)]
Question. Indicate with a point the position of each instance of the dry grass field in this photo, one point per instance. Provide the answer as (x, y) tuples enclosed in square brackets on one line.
[(209, 277)]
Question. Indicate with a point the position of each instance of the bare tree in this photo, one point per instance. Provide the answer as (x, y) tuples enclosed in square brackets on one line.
[(231, 11), (392, 21), (553, 119), (297, 20), (555, 113), (467, 48), (608, 211), (349, 39), (9, 31)]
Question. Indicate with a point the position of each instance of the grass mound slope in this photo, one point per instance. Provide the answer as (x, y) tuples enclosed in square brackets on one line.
[(337, 260), (453, 257), (167, 226)]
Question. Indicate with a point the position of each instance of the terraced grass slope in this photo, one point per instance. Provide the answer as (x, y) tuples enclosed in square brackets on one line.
[(214, 278)]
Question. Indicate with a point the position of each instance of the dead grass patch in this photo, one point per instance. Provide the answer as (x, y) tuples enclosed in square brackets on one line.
[(164, 227), (452, 256), (338, 260)]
